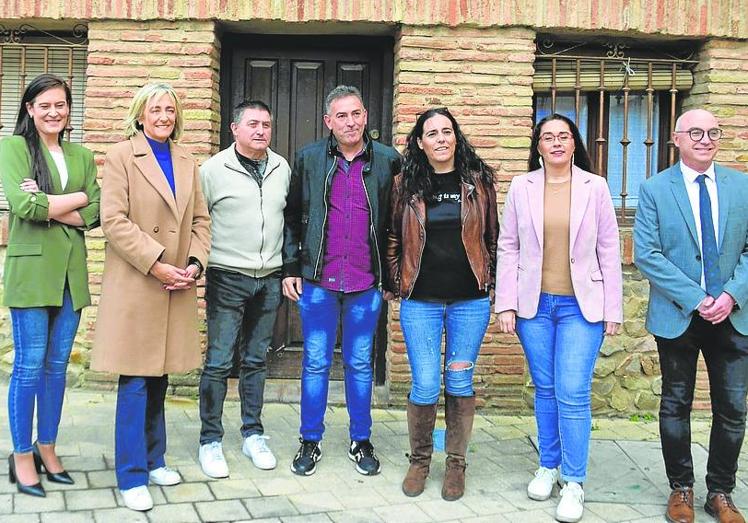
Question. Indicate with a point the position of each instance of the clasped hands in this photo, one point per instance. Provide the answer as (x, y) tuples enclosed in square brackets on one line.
[(173, 278), (716, 310)]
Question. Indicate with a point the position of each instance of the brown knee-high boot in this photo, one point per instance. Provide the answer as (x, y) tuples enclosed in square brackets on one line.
[(421, 420), (460, 412)]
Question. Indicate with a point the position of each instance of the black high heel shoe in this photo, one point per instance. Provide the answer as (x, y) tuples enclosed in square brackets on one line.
[(55, 477), (32, 490)]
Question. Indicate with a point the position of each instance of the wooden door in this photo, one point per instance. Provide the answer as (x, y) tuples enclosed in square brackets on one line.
[(293, 75)]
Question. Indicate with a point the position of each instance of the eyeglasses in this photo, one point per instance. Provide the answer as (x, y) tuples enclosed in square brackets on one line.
[(563, 137), (696, 134)]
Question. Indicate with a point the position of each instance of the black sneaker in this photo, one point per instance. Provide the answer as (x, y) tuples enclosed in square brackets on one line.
[(362, 452), (305, 461)]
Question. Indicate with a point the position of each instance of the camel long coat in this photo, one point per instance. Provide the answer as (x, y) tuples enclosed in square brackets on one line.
[(142, 329)]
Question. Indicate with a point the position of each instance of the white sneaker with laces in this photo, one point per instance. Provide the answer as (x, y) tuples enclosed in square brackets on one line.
[(257, 450), (137, 498), (541, 486), (571, 506), (164, 477), (212, 461)]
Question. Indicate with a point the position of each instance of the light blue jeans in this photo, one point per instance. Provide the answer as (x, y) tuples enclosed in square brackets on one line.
[(561, 349), (358, 313), (423, 323), (43, 338)]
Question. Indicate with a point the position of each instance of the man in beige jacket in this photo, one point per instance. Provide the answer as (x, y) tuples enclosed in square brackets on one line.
[(245, 187)]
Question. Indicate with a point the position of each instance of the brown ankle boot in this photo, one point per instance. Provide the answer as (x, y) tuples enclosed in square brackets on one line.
[(460, 412), (421, 420)]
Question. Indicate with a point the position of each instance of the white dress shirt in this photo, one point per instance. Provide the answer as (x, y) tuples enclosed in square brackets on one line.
[(692, 188)]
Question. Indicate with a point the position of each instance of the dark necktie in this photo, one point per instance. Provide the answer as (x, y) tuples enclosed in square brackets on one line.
[(709, 251)]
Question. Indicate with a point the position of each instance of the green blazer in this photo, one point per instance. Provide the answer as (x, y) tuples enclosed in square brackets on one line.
[(43, 254)]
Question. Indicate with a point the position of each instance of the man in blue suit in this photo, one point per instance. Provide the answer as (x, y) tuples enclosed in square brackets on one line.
[(690, 243)]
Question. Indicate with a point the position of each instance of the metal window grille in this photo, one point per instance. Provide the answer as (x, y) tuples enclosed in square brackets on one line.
[(597, 74), (26, 52)]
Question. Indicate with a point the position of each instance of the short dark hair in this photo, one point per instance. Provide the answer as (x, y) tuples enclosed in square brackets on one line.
[(581, 158), (238, 112)]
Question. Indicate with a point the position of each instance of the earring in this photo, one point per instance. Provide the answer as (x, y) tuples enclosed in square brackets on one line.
[(572, 158), (540, 160)]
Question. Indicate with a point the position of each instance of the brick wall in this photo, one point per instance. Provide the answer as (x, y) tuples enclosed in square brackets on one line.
[(662, 17), (482, 73), (484, 76), (721, 86), (124, 55)]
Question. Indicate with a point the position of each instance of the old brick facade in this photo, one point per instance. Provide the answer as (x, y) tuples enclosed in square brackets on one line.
[(474, 56)]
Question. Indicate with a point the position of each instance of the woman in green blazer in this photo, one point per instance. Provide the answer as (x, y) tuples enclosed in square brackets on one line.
[(53, 196)]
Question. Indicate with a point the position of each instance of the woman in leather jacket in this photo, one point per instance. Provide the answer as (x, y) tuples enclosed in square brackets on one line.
[(441, 258)]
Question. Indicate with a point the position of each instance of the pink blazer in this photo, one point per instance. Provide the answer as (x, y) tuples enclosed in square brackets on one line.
[(594, 248)]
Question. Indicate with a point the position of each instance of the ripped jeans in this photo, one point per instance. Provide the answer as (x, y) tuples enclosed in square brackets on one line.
[(423, 323)]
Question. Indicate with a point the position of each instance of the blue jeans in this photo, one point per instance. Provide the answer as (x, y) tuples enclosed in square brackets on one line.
[(241, 312), (423, 323), (320, 311), (43, 338), (139, 429), (561, 349)]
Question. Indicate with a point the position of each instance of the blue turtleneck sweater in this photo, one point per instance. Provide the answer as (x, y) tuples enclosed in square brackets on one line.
[(163, 156)]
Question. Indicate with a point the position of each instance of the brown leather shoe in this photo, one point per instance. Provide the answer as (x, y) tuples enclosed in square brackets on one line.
[(680, 506), (720, 506)]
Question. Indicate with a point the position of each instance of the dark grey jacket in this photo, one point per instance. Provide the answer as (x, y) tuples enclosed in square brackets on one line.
[(308, 202)]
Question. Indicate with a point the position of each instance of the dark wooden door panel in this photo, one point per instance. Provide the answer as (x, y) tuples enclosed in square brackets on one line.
[(293, 75), (307, 97)]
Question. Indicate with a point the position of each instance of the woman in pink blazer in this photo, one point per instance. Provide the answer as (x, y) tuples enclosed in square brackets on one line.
[(559, 284)]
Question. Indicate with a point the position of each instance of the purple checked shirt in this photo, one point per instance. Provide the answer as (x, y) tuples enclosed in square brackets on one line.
[(346, 263)]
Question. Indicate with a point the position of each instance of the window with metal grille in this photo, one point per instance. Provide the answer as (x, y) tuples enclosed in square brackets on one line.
[(624, 96), (26, 52)]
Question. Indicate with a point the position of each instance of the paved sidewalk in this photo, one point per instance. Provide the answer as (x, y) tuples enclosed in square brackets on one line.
[(626, 481)]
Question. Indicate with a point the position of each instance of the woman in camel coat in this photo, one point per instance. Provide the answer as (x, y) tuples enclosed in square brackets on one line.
[(157, 228)]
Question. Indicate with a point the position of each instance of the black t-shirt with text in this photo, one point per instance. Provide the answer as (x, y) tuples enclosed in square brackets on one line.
[(445, 273)]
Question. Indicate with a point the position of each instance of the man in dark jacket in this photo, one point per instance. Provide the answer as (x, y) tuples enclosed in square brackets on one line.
[(334, 243)]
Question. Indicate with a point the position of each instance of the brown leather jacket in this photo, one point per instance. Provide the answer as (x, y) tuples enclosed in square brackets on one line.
[(407, 236)]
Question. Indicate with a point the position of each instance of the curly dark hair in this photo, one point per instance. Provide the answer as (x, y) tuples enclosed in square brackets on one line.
[(418, 172), (581, 158), (25, 126)]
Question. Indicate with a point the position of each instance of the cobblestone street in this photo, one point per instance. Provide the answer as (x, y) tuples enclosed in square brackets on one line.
[(626, 480)]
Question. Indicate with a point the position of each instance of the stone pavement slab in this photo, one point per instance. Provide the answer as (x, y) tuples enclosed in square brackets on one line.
[(626, 480)]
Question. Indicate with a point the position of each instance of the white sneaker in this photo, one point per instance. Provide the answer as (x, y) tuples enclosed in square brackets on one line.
[(257, 450), (164, 477), (541, 486), (137, 498), (212, 461), (571, 506)]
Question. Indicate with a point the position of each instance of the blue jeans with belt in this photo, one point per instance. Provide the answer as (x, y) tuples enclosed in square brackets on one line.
[(321, 310), (423, 323), (139, 429), (43, 338), (561, 348)]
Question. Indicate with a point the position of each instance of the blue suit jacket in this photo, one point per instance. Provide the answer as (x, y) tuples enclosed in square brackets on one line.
[(667, 252)]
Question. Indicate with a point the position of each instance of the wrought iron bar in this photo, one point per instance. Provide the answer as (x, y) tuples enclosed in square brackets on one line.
[(577, 91), (649, 140), (553, 85), (600, 140), (625, 144), (673, 101)]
